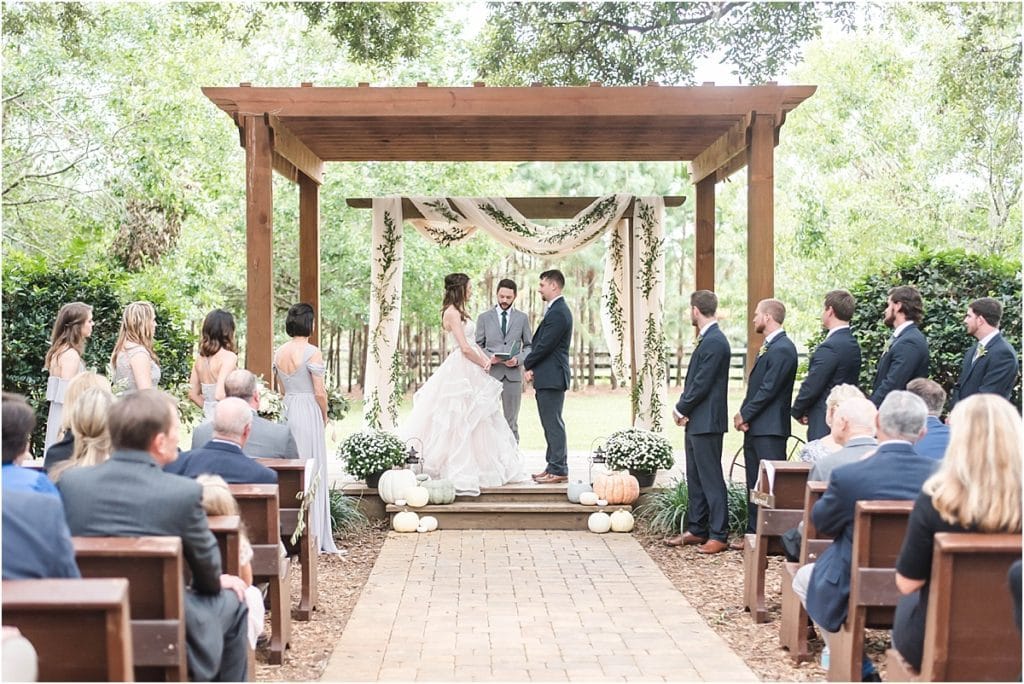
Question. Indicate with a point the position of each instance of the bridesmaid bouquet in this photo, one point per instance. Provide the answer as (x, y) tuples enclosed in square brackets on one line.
[(271, 404)]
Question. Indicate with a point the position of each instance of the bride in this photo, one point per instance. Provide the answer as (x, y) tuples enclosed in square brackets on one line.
[(457, 413)]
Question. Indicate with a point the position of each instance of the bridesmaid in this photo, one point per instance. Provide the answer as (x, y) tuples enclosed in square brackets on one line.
[(299, 367), (134, 361), (217, 358), (64, 360)]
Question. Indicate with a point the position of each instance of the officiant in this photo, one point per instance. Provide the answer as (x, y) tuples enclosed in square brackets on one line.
[(504, 333)]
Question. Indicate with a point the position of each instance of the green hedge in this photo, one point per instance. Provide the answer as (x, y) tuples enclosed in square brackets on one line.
[(948, 282), (34, 291)]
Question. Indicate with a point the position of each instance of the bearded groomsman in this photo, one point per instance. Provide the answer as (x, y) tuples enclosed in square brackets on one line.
[(906, 352), (498, 331), (836, 361), (990, 365), (763, 417)]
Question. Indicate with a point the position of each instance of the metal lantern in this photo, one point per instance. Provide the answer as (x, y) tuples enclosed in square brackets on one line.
[(412, 460), (597, 458)]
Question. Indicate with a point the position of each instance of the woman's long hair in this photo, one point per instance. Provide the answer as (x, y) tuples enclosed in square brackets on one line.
[(89, 426), (138, 325), (455, 285), (218, 333), (67, 332), (978, 484), (78, 386)]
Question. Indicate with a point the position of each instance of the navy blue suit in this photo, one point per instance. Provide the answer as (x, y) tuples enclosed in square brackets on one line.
[(224, 459), (906, 359), (894, 472), (549, 361), (993, 373), (704, 402), (836, 361), (36, 539), (766, 409)]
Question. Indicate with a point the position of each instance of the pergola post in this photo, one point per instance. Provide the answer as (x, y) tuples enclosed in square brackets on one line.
[(259, 212), (760, 223), (704, 238), (309, 249)]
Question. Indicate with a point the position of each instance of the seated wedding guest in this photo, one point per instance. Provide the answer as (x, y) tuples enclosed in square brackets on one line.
[(977, 488), (19, 420), (933, 444), (64, 360), (267, 439), (222, 455), (62, 450), (134, 362), (36, 540), (853, 426), (89, 426), (816, 448), (130, 496), (218, 500), (216, 359)]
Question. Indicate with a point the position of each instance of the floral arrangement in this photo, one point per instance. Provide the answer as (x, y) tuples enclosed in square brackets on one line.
[(271, 405), (337, 404), (640, 450), (371, 451), (189, 414)]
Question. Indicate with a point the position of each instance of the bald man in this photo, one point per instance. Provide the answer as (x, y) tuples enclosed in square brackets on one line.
[(222, 455)]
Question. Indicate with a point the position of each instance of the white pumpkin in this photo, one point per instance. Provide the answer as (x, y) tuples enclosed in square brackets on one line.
[(622, 521), (417, 496), (429, 522), (394, 484), (599, 522), (406, 521), (588, 499), (421, 528)]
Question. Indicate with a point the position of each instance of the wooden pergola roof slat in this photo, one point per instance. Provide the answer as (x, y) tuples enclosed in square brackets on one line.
[(535, 208)]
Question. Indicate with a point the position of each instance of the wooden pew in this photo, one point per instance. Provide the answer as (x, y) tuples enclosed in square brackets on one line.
[(776, 513), (793, 630), (878, 531), (153, 567), (260, 514), (970, 634), (226, 529), (80, 628), (291, 482)]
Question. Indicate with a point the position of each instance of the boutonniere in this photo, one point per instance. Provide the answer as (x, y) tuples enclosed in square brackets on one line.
[(763, 350), (982, 350), (888, 344), (699, 338)]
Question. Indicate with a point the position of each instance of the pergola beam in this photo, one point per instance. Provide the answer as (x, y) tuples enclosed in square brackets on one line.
[(535, 208), (295, 151), (732, 143)]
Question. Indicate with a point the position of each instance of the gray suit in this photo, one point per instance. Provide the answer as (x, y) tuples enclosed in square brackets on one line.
[(854, 450), (130, 496), (490, 338), (267, 440)]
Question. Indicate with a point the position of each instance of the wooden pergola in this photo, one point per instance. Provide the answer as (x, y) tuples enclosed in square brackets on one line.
[(718, 129)]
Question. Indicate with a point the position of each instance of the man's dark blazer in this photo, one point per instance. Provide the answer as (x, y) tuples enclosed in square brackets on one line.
[(36, 540), (705, 394), (994, 373), (224, 459), (130, 496), (894, 472), (770, 389), (549, 356), (906, 359), (836, 361)]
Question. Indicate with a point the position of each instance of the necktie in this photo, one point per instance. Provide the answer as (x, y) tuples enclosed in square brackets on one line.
[(504, 322)]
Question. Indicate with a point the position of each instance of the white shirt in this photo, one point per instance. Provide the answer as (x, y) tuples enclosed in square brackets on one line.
[(704, 330), (988, 338), (547, 305), (901, 327), (769, 338), (835, 329)]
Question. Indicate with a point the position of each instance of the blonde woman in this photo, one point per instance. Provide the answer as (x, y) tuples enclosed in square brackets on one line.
[(817, 448), (217, 358), (135, 363), (64, 360), (218, 500), (977, 488), (63, 450), (89, 427)]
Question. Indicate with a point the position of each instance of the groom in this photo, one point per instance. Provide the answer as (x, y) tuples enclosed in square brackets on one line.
[(547, 365)]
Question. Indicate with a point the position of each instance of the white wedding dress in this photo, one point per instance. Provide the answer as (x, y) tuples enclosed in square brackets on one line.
[(457, 415)]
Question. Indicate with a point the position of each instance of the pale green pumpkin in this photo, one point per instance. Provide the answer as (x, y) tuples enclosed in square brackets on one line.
[(440, 491)]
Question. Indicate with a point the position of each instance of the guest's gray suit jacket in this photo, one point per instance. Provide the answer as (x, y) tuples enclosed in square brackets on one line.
[(267, 440), (490, 339)]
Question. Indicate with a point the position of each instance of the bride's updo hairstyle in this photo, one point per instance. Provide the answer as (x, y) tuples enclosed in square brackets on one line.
[(455, 293)]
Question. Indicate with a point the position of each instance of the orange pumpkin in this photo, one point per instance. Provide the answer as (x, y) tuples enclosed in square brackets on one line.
[(617, 488)]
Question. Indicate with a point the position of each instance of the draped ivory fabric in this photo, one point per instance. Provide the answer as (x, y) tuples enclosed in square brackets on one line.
[(448, 222)]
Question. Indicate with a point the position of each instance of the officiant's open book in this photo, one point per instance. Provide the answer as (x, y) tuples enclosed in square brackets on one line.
[(517, 347)]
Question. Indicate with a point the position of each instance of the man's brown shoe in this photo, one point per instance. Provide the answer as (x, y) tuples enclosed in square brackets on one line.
[(736, 545), (552, 479), (543, 473), (712, 546), (685, 539)]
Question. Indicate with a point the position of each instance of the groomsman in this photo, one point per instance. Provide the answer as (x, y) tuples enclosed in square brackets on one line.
[(836, 361), (906, 353), (990, 365), (763, 417), (497, 331), (703, 410)]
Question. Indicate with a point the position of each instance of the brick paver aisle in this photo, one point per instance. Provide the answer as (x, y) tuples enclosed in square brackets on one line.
[(525, 605)]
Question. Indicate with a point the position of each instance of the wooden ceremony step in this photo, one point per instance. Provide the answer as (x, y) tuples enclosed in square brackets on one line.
[(483, 514), (372, 506)]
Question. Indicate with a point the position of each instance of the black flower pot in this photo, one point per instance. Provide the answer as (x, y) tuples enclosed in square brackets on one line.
[(643, 478), (373, 479)]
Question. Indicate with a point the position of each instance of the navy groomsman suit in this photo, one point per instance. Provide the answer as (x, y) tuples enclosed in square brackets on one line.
[(906, 359), (836, 361), (704, 402), (766, 409), (549, 361), (991, 372)]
